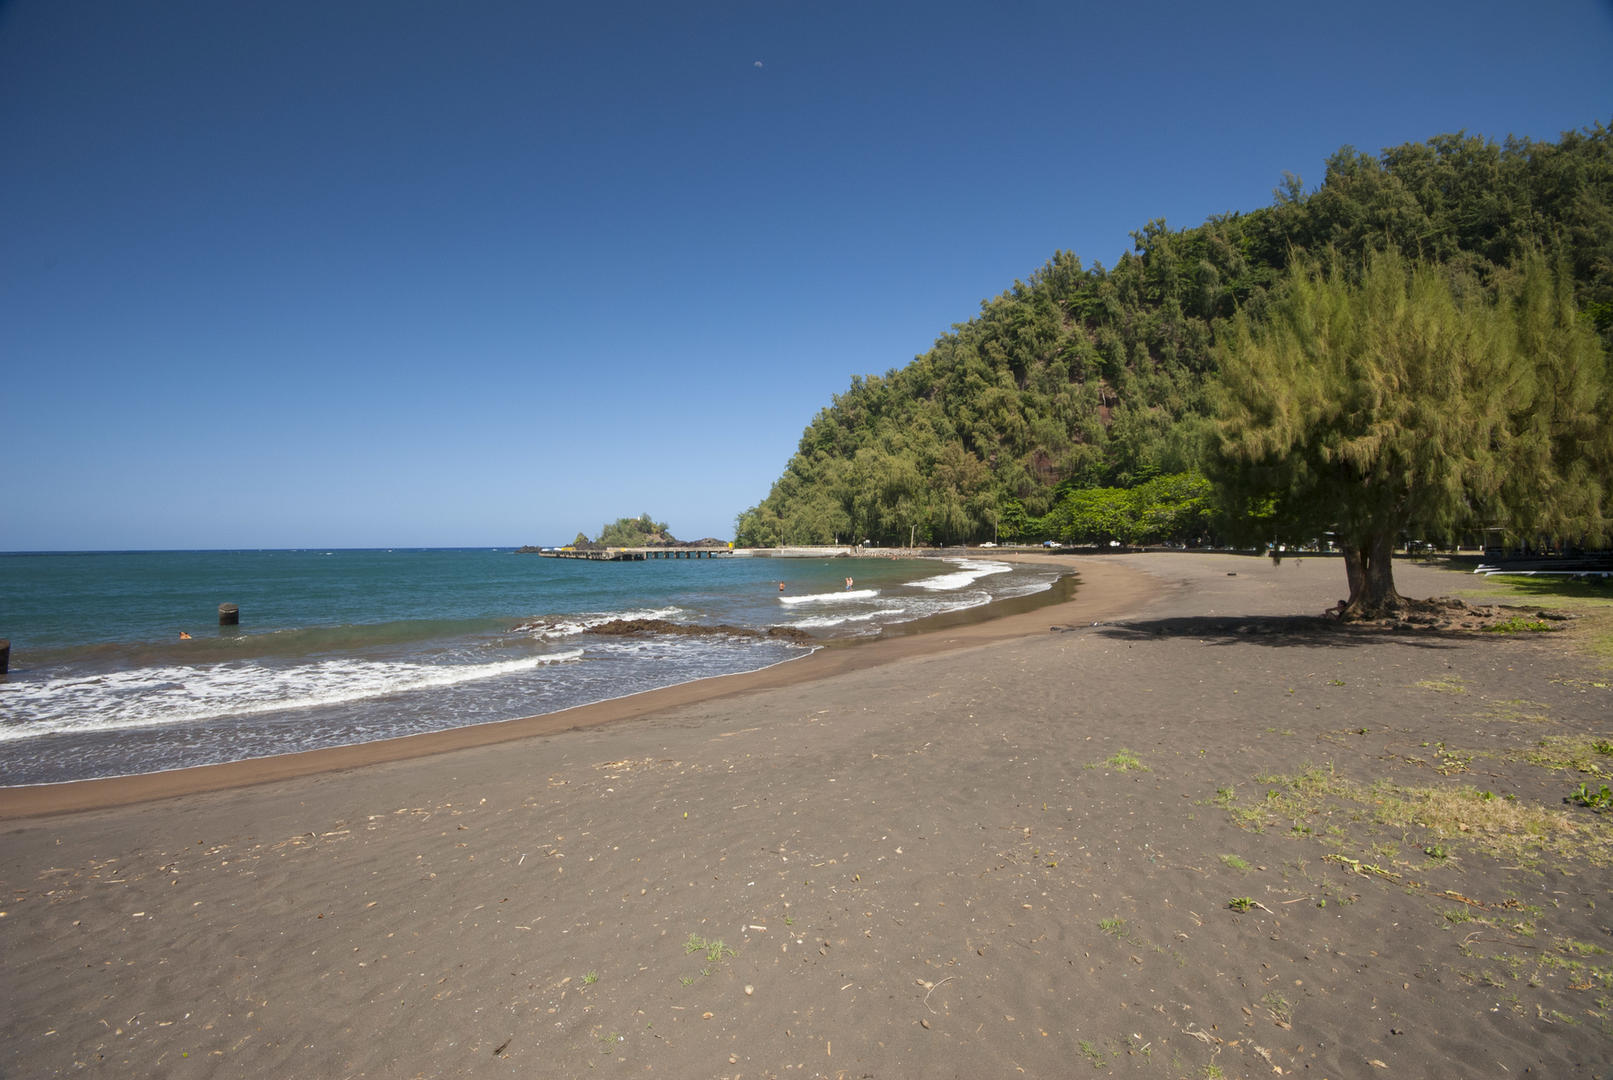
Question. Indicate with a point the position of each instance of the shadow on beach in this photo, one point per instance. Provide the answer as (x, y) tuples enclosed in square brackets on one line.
[(1279, 631)]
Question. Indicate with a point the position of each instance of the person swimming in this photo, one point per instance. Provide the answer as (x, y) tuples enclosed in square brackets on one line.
[(184, 636)]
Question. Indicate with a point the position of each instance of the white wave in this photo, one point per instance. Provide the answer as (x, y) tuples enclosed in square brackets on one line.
[(969, 571), (559, 626), (821, 622), (830, 597), (1025, 589), (160, 697)]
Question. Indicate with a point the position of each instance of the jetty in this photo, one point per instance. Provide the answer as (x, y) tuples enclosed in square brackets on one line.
[(637, 554)]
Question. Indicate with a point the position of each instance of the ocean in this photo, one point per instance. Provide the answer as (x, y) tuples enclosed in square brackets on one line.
[(339, 647)]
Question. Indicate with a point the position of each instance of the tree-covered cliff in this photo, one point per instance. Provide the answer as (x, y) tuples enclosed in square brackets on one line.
[(1086, 378)]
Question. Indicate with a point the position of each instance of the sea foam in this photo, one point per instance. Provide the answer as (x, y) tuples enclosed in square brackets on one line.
[(967, 573), (165, 696), (830, 597)]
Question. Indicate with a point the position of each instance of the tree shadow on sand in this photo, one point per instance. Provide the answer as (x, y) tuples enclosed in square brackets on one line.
[(1282, 631)]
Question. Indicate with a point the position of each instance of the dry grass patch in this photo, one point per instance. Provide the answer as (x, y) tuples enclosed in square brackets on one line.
[(1508, 829), (1591, 754), (1297, 799), (1596, 631), (1513, 711), (1503, 827), (1443, 686)]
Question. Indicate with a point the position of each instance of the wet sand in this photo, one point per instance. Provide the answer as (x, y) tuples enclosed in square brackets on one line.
[(1004, 848)]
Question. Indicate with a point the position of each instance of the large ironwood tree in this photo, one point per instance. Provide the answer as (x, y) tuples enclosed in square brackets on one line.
[(1393, 400)]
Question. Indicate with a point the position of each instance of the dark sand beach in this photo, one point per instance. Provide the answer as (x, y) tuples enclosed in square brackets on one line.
[(1211, 835)]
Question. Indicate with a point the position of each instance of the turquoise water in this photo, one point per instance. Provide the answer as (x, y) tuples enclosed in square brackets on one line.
[(339, 647)]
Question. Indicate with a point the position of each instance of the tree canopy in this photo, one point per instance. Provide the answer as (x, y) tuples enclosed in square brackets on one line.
[(1395, 400)]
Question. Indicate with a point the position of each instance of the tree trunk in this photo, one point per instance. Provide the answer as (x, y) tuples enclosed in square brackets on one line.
[(1369, 567)]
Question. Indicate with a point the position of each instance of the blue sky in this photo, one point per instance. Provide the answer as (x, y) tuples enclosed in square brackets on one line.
[(394, 273)]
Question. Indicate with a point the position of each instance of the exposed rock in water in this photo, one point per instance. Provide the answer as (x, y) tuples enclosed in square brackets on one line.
[(624, 627)]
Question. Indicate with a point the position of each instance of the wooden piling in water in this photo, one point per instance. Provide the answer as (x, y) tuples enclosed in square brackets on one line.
[(5, 655), (229, 615)]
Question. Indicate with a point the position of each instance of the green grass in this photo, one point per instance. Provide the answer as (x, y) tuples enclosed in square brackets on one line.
[(1114, 927), (1520, 625), (1122, 760), (1560, 590), (714, 950), (1094, 1056), (1579, 948), (1279, 1008), (1590, 599), (1237, 862)]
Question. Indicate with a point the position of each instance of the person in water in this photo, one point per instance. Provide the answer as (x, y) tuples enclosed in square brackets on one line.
[(848, 584), (781, 586), (184, 636)]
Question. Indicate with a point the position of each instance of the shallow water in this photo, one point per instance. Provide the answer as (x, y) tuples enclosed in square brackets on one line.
[(342, 647)]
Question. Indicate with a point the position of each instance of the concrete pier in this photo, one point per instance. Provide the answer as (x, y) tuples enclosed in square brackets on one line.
[(636, 554)]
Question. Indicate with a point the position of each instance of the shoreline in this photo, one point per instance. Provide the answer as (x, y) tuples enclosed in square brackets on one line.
[(1107, 591)]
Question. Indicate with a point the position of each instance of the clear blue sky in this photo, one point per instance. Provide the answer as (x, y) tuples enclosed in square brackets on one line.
[(391, 273)]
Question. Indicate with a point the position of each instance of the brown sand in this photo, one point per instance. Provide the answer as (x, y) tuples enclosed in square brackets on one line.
[(921, 858)]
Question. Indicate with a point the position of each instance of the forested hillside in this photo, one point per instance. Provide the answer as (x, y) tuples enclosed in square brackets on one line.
[(1074, 405)]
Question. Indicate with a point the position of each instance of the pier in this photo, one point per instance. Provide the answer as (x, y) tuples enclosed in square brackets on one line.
[(637, 554)]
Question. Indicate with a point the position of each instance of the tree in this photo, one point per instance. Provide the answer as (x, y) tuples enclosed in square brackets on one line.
[(1393, 401), (1173, 507), (1097, 516), (1559, 429)]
